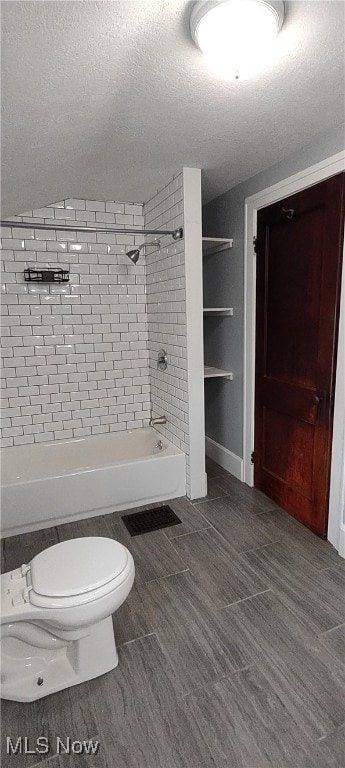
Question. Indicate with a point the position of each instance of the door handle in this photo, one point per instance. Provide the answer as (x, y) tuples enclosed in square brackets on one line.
[(320, 399)]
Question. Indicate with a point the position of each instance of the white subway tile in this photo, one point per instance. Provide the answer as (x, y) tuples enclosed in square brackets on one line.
[(95, 205), (112, 207), (85, 328), (75, 203)]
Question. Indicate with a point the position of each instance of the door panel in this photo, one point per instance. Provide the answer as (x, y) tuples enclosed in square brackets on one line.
[(299, 245), (290, 455), (292, 335)]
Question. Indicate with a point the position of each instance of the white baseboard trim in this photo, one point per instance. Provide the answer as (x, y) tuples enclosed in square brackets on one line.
[(225, 458), (341, 543)]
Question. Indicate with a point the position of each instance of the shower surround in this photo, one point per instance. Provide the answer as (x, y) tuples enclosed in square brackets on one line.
[(75, 358), (80, 359)]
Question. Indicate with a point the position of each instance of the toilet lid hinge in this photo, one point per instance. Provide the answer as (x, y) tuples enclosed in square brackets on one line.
[(26, 594)]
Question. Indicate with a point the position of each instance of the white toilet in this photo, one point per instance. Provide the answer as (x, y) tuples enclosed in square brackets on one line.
[(56, 625)]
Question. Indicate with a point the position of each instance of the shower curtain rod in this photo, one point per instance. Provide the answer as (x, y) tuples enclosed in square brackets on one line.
[(176, 234)]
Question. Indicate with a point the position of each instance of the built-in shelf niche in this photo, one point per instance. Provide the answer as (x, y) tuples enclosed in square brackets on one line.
[(218, 311), (216, 373), (215, 244), (212, 245)]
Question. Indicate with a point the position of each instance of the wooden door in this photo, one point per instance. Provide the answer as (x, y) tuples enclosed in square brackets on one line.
[(299, 247)]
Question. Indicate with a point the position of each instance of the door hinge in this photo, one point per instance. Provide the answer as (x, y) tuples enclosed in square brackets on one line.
[(252, 457), (255, 243)]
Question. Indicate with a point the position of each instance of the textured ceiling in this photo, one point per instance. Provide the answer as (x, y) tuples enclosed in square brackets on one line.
[(107, 100)]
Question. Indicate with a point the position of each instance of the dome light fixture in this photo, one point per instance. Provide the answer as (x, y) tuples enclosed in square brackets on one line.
[(237, 37)]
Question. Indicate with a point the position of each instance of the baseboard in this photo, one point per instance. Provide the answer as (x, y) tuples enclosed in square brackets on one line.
[(341, 544), (225, 458)]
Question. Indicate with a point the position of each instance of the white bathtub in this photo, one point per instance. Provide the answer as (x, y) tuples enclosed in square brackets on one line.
[(56, 482)]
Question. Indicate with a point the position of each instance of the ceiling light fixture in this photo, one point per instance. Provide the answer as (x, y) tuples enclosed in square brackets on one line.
[(236, 36)]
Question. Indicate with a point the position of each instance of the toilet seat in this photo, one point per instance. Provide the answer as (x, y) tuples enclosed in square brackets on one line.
[(76, 572)]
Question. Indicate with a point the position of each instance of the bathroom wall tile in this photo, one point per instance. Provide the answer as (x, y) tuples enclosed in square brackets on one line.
[(166, 315), (48, 328)]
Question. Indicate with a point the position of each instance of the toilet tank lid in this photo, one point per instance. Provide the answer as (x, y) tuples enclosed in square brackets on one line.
[(77, 566)]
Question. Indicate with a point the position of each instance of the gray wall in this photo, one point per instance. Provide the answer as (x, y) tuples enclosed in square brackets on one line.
[(223, 285)]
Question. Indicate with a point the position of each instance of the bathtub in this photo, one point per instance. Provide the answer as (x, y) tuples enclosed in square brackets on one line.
[(56, 482)]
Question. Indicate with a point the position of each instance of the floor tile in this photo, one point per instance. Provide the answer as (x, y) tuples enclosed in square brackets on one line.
[(219, 571), (21, 549), (308, 679), (245, 498), (76, 759), (303, 542), (329, 752), (255, 682), (191, 518), (194, 636), (213, 469), (214, 490), (92, 526), (247, 724), (242, 530), (69, 713), (153, 554), (317, 597), (334, 641), (131, 620), (150, 725)]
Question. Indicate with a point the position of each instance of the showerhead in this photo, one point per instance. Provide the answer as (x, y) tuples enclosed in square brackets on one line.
[(135, 253)]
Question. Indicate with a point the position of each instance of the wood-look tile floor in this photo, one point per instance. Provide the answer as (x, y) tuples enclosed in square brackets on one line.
[(231, 645)]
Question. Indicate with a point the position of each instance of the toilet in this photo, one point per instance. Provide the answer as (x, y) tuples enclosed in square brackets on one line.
[(56, 616)]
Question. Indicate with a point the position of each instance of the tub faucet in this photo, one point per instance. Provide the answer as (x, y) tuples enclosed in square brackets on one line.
[(157, 420)]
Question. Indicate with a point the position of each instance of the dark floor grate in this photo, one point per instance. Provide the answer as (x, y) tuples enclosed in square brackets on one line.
[(150, 520)]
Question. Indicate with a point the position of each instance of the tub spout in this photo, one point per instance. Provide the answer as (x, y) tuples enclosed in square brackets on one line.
[(157, 420)]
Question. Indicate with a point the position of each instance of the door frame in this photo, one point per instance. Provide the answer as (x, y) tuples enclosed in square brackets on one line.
[(299, 181)]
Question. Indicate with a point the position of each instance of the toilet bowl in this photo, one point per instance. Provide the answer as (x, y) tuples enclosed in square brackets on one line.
[(56, 624)]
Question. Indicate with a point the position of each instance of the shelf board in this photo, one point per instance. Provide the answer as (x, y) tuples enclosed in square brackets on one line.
[(215, 244), (216, 373), (218, 311)]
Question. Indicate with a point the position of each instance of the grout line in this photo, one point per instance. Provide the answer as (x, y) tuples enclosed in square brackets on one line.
[(141, 637), (166, 576), (207, 498), (256, 549), (243, 599), (211, 683), (190, 533), (197, 504), (338, 728), (327, 631), (333, 567)]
